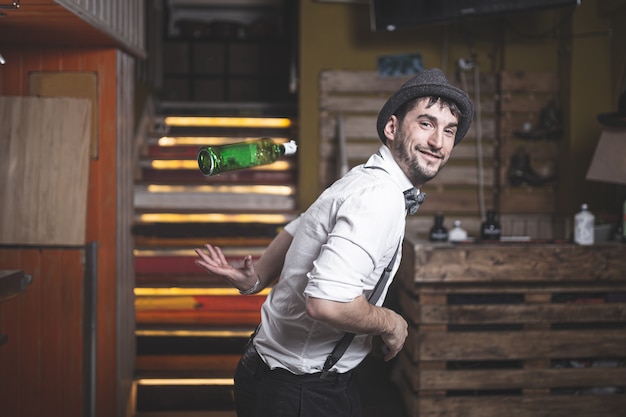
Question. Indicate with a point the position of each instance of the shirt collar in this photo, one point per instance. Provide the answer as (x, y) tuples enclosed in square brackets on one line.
[(384, 159)]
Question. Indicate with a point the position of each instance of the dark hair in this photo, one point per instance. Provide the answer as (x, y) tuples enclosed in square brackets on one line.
[(432, 100)]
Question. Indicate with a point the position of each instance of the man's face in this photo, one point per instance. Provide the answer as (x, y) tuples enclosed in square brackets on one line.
[(422, 143)]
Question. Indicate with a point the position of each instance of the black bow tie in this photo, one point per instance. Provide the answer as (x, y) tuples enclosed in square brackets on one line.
[(413, 200)]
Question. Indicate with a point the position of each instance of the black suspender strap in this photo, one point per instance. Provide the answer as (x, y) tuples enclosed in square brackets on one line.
[(342, 345)]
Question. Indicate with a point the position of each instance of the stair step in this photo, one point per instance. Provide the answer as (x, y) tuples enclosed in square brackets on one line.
[(215, 198), (204, 413), (184, 394), (172, 279), (227, 341), (210, 366), (209, 230), (197, 318), (194, 176), (179, 261), (198, 242)]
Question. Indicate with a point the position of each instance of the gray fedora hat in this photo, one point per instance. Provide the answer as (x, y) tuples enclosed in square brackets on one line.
[(430, 82)]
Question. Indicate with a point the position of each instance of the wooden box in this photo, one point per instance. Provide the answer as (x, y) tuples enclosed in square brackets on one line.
[(516, 330)]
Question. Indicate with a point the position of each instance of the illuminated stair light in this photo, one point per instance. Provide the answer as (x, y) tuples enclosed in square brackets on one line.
[(213, 218), (192, 164), (191, 121), (194, 333), (230, 189), (207, 140), (228, 251), (186, 381), (178, 291), (165, 164)]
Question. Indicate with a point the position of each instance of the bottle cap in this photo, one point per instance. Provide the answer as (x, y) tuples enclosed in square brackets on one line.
[(290, 147)]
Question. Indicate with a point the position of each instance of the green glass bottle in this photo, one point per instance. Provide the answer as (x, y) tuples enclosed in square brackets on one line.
[(213, 160)]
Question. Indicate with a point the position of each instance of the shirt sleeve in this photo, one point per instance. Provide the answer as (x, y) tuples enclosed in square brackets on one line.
[(292, 226), (365, 233)]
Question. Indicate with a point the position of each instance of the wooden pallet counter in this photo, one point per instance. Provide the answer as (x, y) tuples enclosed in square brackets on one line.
[(513, 329)]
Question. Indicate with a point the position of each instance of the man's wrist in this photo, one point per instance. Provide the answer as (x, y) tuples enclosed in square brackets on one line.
[(255, 288)]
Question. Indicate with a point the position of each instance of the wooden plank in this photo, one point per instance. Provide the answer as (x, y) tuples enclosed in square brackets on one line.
[(459, 201), (39, 207), (528, 200), (516, 406), (470, 287), (524, 81), (509, 345), (524, 103), (351, 104), (364, 82), (510, 263), (423, 312), (489, 379)]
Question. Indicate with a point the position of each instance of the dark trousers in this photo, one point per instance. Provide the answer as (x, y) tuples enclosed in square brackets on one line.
[(261, 392)]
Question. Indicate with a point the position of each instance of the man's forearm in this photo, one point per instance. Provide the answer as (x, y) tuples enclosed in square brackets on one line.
[(358, 316), (270, 264)]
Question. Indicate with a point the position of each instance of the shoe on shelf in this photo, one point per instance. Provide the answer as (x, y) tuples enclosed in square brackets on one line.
[(521, 172), (549, 126)]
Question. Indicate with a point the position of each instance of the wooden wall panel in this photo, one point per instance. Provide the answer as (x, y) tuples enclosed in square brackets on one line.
[(101, 198), (41, 364), (43, 170)]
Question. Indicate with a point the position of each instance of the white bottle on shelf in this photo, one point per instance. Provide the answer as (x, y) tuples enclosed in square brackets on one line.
[(584, 226), (457, 233)]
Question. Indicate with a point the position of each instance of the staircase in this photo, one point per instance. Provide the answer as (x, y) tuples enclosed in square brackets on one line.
[(191, 327)]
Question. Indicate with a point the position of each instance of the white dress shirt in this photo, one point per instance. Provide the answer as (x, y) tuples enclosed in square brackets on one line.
[(340, 247)]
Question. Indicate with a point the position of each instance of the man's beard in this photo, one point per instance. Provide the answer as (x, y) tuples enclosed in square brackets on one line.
[(418, 174)]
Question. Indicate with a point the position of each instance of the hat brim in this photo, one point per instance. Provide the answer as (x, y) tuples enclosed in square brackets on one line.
[(440, 89)]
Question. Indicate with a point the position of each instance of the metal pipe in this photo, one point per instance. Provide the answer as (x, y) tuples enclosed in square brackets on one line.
[(89, 329)]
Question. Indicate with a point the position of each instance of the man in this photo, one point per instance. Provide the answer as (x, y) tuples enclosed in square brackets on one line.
[(330, 259)]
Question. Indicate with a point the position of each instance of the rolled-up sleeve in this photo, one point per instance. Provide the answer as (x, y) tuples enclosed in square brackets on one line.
[(366, 228)]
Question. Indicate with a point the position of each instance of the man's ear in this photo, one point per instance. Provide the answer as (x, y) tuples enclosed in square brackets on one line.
[(391, 129)]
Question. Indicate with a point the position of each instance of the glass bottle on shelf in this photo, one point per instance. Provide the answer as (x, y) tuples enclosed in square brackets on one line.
[(213, 160), (438, 233), (584, 226), (490, 228), (457, 233)]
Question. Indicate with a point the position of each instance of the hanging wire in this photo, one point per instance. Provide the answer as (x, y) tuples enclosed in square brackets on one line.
[(478, 130)]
